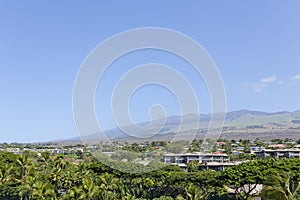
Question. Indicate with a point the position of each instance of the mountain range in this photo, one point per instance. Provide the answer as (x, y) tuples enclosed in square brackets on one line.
[(238, 124)]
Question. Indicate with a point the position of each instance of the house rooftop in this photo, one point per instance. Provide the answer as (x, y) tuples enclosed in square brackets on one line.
[(197, 154)]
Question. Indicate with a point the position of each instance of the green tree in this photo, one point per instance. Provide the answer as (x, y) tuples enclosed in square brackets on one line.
[(90, 188), (108, 184), (193, 193), (243, 178), (193, 166), (42, 191), (5, 174), (26, 170), (281, 186)]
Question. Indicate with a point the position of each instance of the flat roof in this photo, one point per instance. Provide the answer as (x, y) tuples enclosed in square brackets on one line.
[(196, 154), (280, 150)]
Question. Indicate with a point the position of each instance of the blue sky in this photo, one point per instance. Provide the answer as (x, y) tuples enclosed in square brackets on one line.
[(255, 45)]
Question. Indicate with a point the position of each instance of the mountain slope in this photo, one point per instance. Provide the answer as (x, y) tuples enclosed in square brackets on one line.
[(241, 121)]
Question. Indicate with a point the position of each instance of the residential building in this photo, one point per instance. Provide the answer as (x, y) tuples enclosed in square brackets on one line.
[(199, 157), (279, 153), (277, 146), (256, 148)]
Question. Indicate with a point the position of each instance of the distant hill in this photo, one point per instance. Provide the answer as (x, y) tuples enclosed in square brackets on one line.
[(241, 123)]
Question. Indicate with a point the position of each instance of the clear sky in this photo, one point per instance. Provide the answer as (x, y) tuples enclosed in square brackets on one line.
[(255, 45)]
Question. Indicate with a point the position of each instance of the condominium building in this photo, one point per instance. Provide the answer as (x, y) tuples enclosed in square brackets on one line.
[(279, 153), (199, 157)]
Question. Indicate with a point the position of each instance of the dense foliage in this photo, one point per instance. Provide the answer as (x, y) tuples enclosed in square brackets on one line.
[(29, 176)]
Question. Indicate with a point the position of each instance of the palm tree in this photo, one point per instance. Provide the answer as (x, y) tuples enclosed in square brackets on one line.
[(91, 190), (24, 162), (27, 188), (60, 162), (128, 197), (56, 179), (281, 186), (60, 176), (75, 193), (45, 160), (42, 191), (194, 193), (6, 181), (122, 190), (5, 174), (82, 171), (26, 165), (108, 183)]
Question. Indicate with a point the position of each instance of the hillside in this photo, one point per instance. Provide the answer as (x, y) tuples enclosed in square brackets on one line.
[(238, 124)]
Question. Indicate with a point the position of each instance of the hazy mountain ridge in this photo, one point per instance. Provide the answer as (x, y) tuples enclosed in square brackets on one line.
[(236, 122)]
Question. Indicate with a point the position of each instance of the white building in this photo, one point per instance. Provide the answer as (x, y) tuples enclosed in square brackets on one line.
[(279, 153), (199, 157)]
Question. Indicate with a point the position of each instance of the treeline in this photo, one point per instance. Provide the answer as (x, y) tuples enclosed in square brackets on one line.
[(30, 176)]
